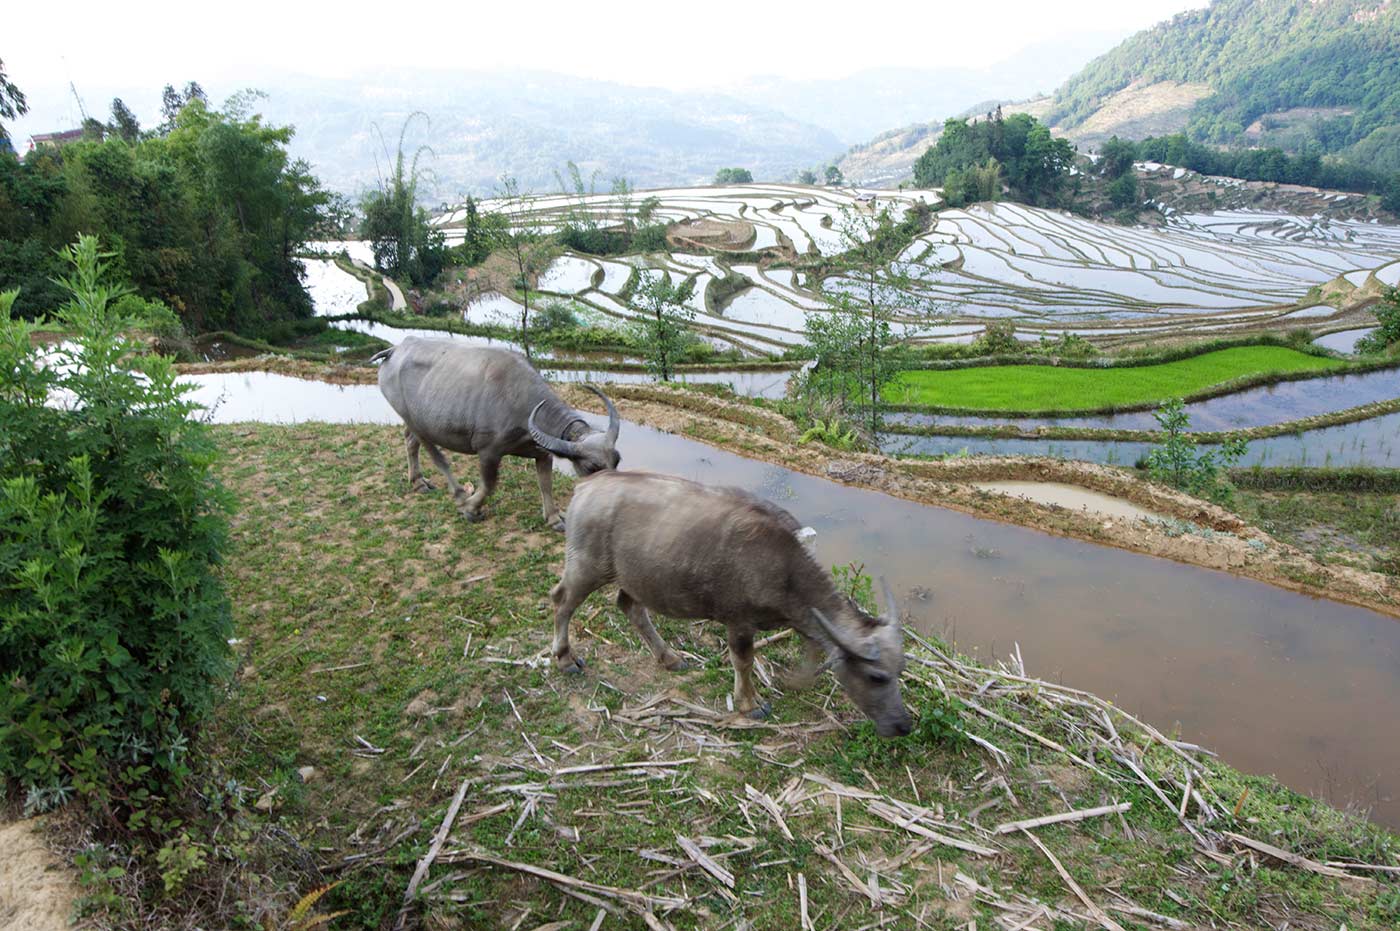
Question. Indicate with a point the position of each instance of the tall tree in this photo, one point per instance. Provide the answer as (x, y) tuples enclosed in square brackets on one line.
[(856, 339), (663, 326), (404, 244), (124, 123), (521, 239), (12, 102)]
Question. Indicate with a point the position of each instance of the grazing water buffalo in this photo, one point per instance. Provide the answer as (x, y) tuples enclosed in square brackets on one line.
[(696, 551), (470, 399)]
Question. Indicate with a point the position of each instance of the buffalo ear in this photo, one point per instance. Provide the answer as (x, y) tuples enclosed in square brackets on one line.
[(843, 640)]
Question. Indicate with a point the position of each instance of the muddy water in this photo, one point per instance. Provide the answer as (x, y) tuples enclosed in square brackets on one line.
[(1276, 682), (1374, 442), (1069, 496), (1255, 407)]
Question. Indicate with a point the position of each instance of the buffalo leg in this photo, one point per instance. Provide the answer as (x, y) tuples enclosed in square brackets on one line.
[(566, 598), (641, 622), (741, 655), (490, 470), (544, 471), (459, 494), (416, 481)]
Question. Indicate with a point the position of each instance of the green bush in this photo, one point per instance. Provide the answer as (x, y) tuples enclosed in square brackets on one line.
[(999, 339), (555, 315), (1387, 334), (1176, 462), (113, 622)]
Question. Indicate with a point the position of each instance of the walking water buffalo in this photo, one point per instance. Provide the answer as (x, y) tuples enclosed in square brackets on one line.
[(492, 402), (690, 550)]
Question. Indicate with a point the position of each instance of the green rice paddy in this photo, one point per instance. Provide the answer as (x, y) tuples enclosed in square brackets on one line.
[(1051, 388)]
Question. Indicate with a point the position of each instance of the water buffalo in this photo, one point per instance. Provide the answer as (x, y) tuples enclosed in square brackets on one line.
[(690, 550), (492, 402)]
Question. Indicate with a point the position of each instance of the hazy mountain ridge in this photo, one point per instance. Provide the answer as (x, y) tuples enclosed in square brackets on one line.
[(529, 125)]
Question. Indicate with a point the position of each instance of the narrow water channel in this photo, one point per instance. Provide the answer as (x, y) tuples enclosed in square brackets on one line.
[(1276, 682)]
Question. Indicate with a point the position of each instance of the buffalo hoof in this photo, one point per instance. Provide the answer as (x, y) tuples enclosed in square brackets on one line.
[(474, 517), (676, 664), (557, 523), (423, 485), (569, 665), (762, 712)]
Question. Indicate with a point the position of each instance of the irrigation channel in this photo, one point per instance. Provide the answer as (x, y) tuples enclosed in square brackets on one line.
[(1271, 679)]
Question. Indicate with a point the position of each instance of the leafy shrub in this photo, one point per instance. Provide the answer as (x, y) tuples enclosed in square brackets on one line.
[(555, 315), (1177, 463), (1387, 334), (1067, 346), (113, 623), (856, 584), (830, 433), (999, 339)]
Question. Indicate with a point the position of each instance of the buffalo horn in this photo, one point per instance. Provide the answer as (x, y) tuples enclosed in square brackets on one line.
[(554, 444), (841, 639), (614, 421)]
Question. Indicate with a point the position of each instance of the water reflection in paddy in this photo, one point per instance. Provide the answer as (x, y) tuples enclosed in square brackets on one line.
[(1270, 679)]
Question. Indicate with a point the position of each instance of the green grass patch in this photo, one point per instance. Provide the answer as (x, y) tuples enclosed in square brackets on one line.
[(1054, 388)]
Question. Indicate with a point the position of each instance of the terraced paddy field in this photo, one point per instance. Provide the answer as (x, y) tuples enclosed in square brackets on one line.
[(1048, 273), (1051, 388)]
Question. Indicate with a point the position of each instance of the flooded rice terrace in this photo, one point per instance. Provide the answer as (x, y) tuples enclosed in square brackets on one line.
[(1270, 679)]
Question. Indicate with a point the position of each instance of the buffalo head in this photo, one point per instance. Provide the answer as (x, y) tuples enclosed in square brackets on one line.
[(592, 452)]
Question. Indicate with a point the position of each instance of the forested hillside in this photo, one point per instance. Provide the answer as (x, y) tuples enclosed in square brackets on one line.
[(1303, 74)]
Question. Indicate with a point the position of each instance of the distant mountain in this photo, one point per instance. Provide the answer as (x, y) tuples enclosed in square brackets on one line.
[(1291, 73), (529, 124), (1317, 75), (860, 105)]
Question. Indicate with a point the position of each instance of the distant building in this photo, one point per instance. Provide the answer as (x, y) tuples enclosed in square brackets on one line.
[(56, 140)]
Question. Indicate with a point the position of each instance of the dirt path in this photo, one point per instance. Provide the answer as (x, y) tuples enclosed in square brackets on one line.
[(396, 298), (37, 891)]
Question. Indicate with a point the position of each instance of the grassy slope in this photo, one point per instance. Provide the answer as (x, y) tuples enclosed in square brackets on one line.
[(443, 628), (1352, 528), (1043, 387)]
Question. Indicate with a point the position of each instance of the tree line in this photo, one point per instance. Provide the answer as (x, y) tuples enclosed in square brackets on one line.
[(205, 212), (1116, 156)]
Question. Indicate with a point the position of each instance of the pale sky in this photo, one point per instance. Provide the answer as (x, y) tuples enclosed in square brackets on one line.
[(105, 46)]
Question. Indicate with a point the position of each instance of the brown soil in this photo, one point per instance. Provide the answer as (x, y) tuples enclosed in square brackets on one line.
[(37, 892)]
